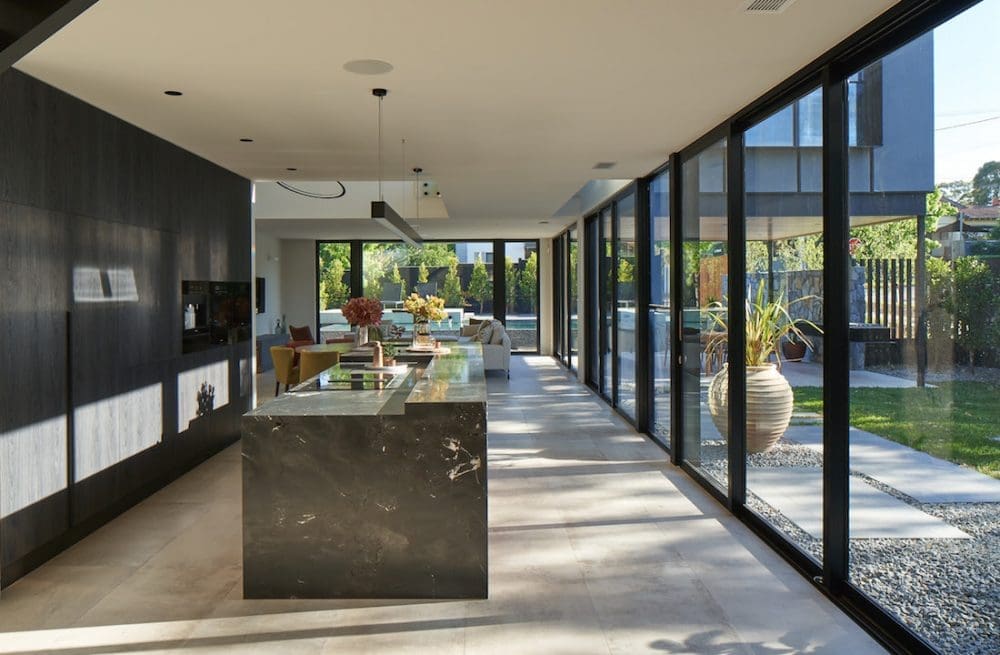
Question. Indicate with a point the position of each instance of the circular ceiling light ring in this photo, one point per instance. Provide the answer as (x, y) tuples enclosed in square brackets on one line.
[(313, 194)]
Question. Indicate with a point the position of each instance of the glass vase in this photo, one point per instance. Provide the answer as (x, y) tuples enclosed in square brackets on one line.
[(422, 333), (361, 336)]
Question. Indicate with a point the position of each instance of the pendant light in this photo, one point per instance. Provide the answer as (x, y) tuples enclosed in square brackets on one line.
[(382, 212)]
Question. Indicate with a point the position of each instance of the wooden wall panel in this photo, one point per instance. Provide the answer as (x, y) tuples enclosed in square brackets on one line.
[(87, 197)]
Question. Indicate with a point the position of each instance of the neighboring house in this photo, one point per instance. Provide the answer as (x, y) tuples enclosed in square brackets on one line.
[(969, 224)]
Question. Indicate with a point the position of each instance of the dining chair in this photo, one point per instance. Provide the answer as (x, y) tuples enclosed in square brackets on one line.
[(285, 370), (312, 363)]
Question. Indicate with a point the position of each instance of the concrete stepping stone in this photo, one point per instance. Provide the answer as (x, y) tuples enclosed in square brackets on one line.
[(874, 514), (925, 478)]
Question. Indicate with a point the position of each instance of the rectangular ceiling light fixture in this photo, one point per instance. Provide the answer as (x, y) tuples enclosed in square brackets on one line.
[(387, 217), (766, 6)]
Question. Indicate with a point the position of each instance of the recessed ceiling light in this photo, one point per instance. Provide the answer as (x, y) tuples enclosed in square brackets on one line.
[(173, 93), (368, 66), (291, 169), (543, 222), (246, 140), (604, 165)]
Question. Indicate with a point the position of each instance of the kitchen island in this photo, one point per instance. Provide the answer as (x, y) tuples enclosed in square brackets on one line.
[(361, 484)]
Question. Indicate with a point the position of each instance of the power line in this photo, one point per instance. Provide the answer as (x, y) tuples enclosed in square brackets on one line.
[(952, 127)]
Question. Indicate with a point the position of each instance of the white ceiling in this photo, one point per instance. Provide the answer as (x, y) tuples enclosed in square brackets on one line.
[(507, 105)]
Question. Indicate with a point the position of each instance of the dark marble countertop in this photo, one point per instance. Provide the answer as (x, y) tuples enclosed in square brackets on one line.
[(454, 377)]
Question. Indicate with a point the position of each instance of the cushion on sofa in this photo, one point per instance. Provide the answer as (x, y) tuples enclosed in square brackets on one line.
[(468, 330), (485, 333), (498, 333)]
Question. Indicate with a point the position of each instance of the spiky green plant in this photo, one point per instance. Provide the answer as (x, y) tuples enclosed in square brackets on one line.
[(767, 323)]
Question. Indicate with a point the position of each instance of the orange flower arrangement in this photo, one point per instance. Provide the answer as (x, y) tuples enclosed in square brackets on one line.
[(363, 311)]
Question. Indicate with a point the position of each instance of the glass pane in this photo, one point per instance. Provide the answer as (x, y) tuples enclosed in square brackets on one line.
[(659, 307), (573, 296), (334, 288), (776, 130), (521, 279), (784, 381), (607, 302), (925, 346), (704, 294), (625, 315), (460, 273)]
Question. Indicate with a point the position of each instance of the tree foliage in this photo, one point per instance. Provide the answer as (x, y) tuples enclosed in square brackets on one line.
[(975, 306), (960, 191), (334, 262), (986, 183), (480, 286), (511, 277), (452, 288), (528, 283)]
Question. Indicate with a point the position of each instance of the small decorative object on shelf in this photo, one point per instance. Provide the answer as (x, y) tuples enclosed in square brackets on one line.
[(377, 358), (424, 310), (362, 313), (389, 354)]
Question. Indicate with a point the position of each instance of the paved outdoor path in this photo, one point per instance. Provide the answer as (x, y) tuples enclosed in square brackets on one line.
[(923, 477)]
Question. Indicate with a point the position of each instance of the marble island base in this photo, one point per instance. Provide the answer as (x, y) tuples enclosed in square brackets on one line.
[(388, 504)]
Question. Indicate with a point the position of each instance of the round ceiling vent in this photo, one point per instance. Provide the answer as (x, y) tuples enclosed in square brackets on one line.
[(368, 67)]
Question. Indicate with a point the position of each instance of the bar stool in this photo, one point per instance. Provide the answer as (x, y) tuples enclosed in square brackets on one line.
[(313, 363), (285, 370)]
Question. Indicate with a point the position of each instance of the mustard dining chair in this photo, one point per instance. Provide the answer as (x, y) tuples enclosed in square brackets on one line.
[(312, 363), (285, 370)]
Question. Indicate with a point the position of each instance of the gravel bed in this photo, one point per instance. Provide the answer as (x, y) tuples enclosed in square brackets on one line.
[(946, 590)]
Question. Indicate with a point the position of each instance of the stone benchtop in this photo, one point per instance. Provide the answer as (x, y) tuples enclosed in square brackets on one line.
[(453, 377)]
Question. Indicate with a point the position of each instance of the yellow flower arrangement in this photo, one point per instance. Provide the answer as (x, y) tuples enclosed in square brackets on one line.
[(427, 308)]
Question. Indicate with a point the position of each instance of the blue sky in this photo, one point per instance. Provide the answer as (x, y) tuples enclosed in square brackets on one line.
[(967, 89)]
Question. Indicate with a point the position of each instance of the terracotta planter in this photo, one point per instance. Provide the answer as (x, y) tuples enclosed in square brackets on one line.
[(769, 405), (793, 352)]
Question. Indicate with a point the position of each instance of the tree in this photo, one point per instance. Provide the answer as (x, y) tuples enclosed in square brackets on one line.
[(986, 183), (422, 274), (432, 255), (511, 277), (334, 262), (528, 283), (960, 191), (975, 305), (333, 290), (452, 288), (480, 287)]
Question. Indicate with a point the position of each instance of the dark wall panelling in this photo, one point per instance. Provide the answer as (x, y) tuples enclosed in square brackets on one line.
[(100, 221)]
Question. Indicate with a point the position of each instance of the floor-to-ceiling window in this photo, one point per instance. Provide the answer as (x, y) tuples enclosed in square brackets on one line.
[(521, 294), (333, 259), (659, 305), (784, 294), (704, 301), (625, 304), (925, 369), (461, 273)]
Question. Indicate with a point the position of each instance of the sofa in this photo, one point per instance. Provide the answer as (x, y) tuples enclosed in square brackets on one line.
[(496, 344)]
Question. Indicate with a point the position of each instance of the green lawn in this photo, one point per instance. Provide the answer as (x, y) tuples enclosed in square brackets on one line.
[(956, 421)]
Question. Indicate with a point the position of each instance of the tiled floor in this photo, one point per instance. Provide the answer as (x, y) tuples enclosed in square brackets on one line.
[(597, 545)]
